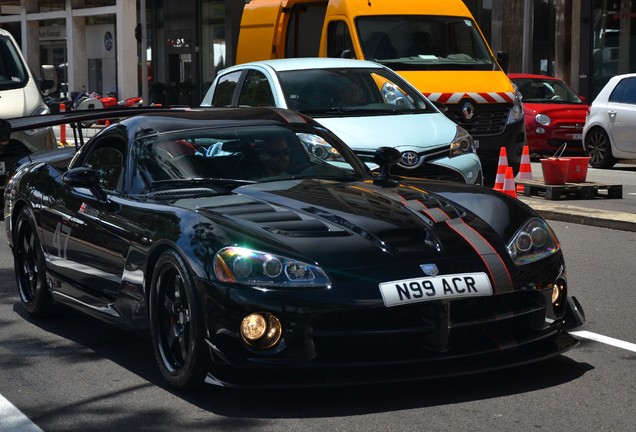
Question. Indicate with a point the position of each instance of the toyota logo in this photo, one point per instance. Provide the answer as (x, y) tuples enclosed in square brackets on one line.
[(468, 110), (409, 159)]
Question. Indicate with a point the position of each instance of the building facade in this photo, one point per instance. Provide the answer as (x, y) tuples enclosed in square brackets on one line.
[(169, 52)]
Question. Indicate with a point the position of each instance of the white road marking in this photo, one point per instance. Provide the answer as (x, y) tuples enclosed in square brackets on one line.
[(12, 419), (605, 339)]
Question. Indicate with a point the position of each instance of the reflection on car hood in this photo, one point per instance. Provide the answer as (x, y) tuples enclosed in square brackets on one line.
[(365, 221), (416, 132)]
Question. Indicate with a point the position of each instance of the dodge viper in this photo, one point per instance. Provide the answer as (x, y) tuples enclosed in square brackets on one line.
[(257, 250)]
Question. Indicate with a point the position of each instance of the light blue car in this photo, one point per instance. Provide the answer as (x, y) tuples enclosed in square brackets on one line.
[(365, 104)]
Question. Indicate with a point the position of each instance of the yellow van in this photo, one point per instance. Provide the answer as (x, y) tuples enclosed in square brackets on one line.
[(435, 45)]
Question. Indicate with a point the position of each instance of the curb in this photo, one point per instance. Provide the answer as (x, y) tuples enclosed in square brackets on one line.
[(584, 216)]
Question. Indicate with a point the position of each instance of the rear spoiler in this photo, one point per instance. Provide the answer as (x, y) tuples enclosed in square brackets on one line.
[(40, 121)]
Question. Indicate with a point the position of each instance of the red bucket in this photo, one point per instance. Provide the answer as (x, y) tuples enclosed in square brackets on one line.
[(555, 170), (577, 170)]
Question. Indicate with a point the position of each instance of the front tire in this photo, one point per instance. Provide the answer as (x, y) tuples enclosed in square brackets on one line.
[(176, 323), (599, 149), (30, 267)]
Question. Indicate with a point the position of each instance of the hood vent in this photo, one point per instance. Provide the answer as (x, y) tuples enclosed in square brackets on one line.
[(281, 221)]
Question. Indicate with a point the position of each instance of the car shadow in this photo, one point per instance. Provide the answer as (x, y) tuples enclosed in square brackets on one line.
[(133, 351)]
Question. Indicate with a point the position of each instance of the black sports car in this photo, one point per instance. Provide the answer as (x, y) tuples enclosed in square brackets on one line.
[(260, 251)]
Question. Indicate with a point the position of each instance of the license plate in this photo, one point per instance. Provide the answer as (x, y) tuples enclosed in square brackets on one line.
[(577, 136), (435, 288)]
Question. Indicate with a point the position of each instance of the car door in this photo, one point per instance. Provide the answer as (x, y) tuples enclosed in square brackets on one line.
[(621, 111), (83, 248)]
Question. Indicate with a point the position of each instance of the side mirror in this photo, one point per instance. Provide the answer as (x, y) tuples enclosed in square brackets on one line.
[(440, 106), (85, 178), (48, 82), (502, 59), (385, 157)]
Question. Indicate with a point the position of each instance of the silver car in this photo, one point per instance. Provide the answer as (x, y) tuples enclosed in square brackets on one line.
[(608, 134), (366, 104)]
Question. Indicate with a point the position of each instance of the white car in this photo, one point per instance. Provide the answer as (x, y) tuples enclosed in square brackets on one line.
[(365, 104), (610, 127)]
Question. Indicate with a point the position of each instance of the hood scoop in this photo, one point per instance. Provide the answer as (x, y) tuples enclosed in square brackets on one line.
[(281, 221)]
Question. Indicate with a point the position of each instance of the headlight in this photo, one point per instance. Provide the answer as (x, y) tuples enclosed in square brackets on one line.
[(516, 113), (249, 267), (462, 143), (41, 110), (532, 242), (317, 146), (543, 119)]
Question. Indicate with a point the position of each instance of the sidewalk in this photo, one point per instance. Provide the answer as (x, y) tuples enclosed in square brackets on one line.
[(557, 211)]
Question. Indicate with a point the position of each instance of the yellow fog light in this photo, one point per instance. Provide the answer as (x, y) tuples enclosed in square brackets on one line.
[(558, 292), (261, 330)]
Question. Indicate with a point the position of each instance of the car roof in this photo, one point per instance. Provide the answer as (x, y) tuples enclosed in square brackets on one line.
[(310, 63)]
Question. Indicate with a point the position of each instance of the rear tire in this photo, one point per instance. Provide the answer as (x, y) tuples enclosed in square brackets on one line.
[(599, 149), (176, 323), (30, 267)]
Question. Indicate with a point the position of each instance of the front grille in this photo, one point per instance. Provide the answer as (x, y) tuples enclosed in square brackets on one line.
[(488, 119), (430, 330), (429, 171)]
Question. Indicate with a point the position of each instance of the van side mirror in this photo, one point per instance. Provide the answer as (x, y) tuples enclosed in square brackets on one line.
[(48, 81), (502, 59)]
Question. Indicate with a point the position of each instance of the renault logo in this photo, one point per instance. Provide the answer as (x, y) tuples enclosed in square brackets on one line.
[(409, 158), (430, 269), (468, 110)]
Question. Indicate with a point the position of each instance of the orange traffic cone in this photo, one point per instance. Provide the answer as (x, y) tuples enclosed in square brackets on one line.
[(525, 169), (509, 183), (501, 169)]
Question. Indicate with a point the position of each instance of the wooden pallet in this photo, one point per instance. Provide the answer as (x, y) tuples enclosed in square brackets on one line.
[(576, 191)]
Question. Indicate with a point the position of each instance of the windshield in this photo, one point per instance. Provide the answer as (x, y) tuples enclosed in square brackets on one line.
[(422, 42), (357, 91), (13, 73), (238, 156), (546, 91)]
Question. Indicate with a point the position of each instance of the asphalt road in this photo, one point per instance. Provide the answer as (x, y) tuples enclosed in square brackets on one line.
[(71, 373)]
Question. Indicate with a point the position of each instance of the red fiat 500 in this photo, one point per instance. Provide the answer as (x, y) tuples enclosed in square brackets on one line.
[(554, 114)]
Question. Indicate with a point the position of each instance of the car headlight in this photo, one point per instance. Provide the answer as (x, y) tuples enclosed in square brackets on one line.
[(249, 267), (41, 110), (462, 143), (516, 113), (532, 242), (317, 146), (543, 119)]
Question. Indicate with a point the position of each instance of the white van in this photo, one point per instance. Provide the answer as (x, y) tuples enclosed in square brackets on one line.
[(19, 97)]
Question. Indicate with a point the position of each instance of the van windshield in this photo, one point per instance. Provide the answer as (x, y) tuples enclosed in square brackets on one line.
[(13, 72), (350, 91), (423, 42)]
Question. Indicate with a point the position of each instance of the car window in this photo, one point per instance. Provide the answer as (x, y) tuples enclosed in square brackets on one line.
[(224, 90), (629, 92), (251, 154), (108, 161), (256, 90), (616, 94), (349, 90), (339, 42)]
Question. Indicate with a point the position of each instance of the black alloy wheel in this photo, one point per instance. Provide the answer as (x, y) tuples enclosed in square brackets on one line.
[(30, 269), (176, 323), (599, 149)]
